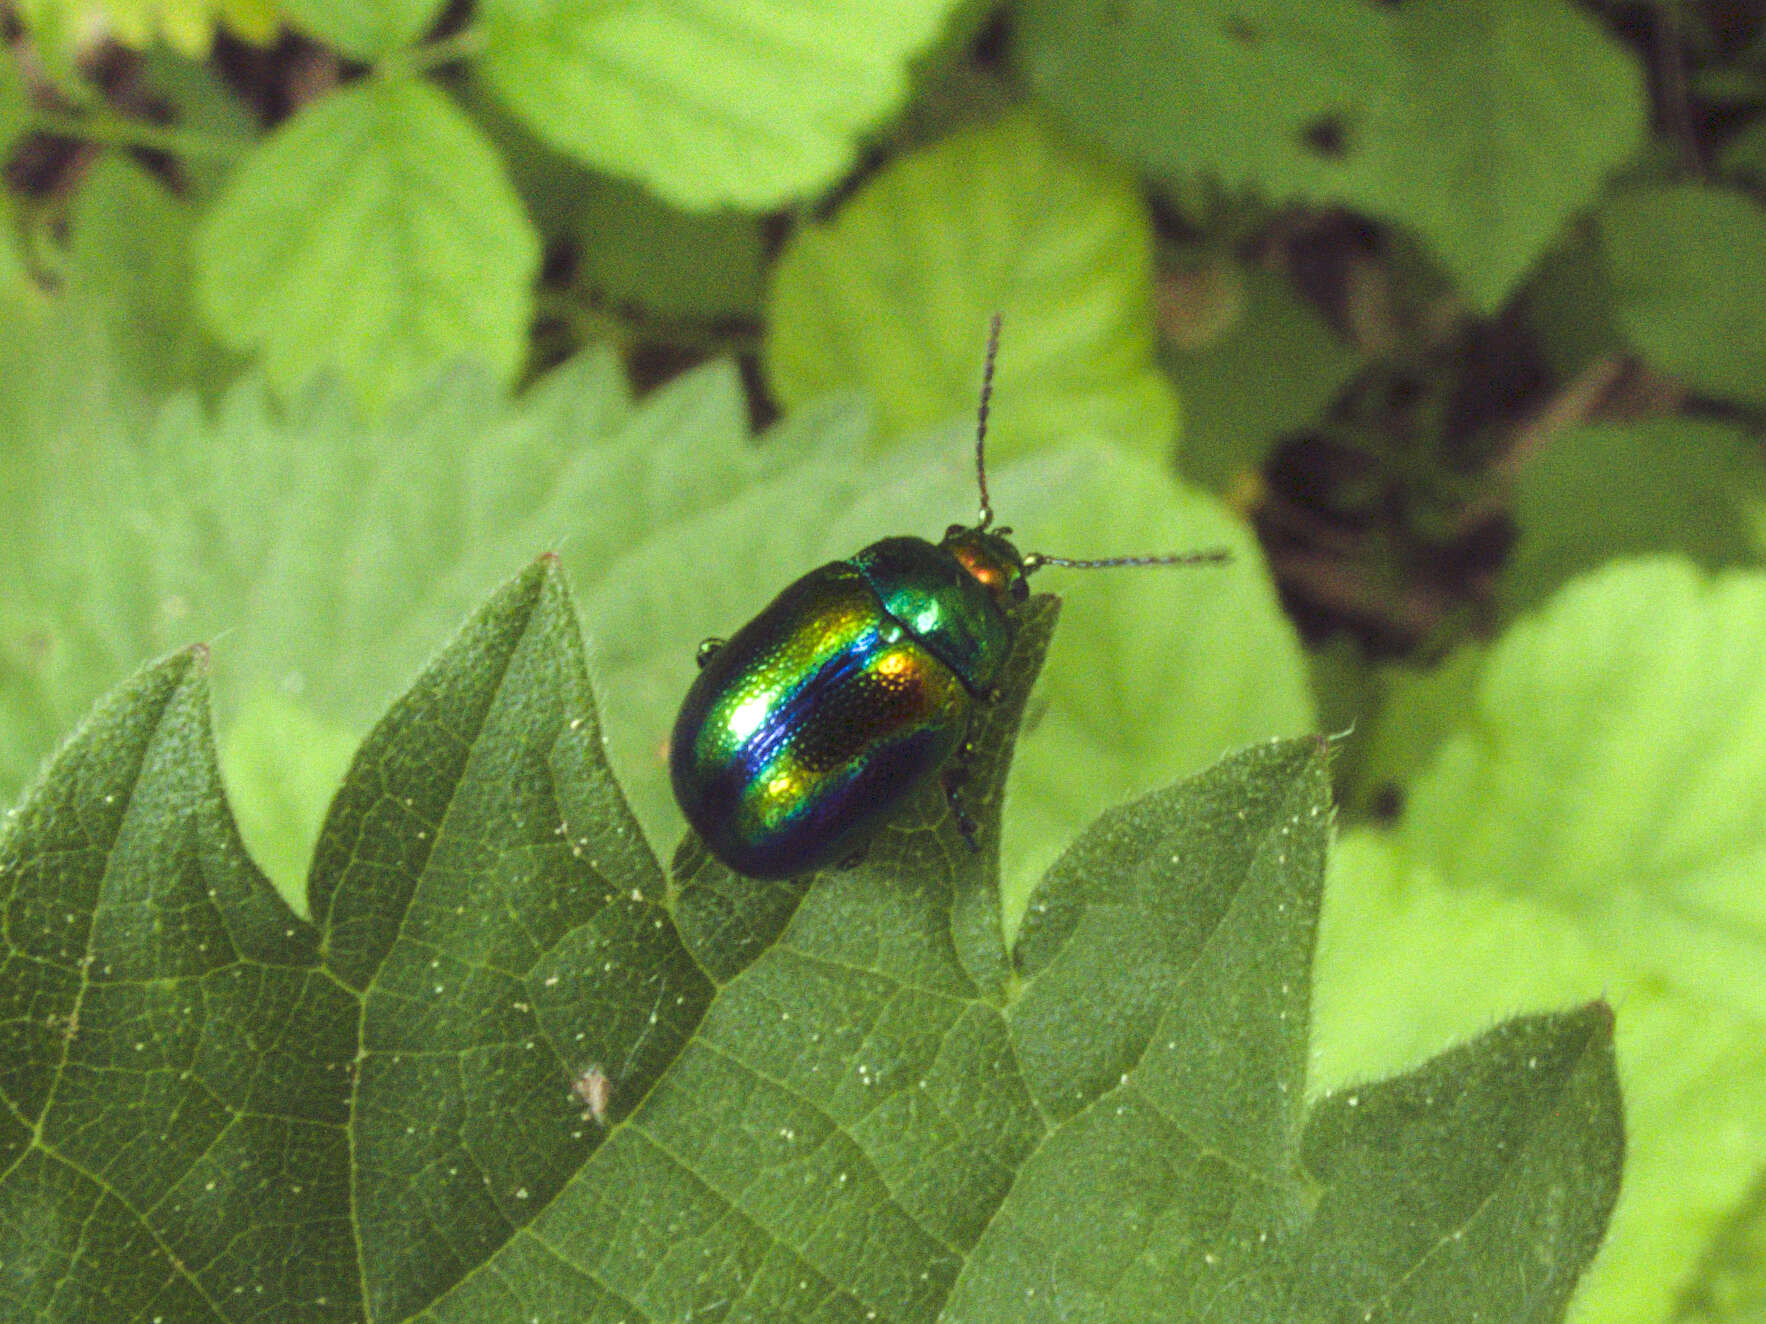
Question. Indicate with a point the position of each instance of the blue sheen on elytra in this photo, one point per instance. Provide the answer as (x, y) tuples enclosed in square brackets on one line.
[(810, 727)]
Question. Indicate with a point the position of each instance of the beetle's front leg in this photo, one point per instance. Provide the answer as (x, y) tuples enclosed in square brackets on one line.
[(953, 780)]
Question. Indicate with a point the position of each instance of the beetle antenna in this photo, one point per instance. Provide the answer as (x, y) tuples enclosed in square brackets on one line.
[(1210, 556), (993, 348)]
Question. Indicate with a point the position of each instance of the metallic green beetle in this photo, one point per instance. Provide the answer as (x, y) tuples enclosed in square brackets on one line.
[(817, 721)]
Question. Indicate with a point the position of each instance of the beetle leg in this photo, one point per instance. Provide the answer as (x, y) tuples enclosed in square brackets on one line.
[(953, 780), (706, 648)]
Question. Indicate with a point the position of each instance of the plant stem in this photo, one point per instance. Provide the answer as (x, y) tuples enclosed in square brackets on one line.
[(116, 131)]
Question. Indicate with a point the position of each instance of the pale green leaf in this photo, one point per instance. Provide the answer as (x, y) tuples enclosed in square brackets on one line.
[(282, 763), (894, 294), (361, 30), (374, 233), (1592, 826), (1408, 963), (1482, 124), (1614, 764), (1684, 260), (741, 103), (186, 25)]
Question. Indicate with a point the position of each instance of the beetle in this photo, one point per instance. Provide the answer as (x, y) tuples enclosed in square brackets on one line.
[(814, 724)]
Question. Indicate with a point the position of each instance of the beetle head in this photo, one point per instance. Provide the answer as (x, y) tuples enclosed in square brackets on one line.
[(991, 559)]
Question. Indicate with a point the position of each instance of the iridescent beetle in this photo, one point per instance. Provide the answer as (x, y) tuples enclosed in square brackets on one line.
[(813, 725)]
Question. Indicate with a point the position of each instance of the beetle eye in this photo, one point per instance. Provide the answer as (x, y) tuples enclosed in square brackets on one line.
[(1020, 589), (953, 531)]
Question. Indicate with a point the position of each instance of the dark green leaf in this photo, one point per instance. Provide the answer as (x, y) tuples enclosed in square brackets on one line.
[(176, 1064), (854, 1105), (1684, 260), (1271, 366), (1483, 124), (1668, 485), (1477, 1187)]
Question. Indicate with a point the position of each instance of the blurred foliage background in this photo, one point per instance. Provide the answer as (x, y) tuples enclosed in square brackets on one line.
[(318, 318)]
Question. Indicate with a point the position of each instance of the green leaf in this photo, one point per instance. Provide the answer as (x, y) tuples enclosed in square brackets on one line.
[(128, 270), (363, 31), (1745, 154), (725, 103), (1731, 1283), (1683, 259), (205, 105), (863, 1109), (14, 107), (1226, 91), (1615, 765), (1592, 826), (376, 233), (894, 294), (1482, 124), (638, 251), (187, 25), (1408, 963), (1443, 1194), (282, 763), (1666, 485), (177, 1066), (1270, 366)]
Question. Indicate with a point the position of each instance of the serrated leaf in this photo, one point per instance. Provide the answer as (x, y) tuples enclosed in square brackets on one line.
[(363, 31), (1668, 485), (487, 898), (375, 233), (1408, 964), (872, 1111), (739, 103), (893, 296), (176, 1064), (1483, 124), (1682, 259)]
